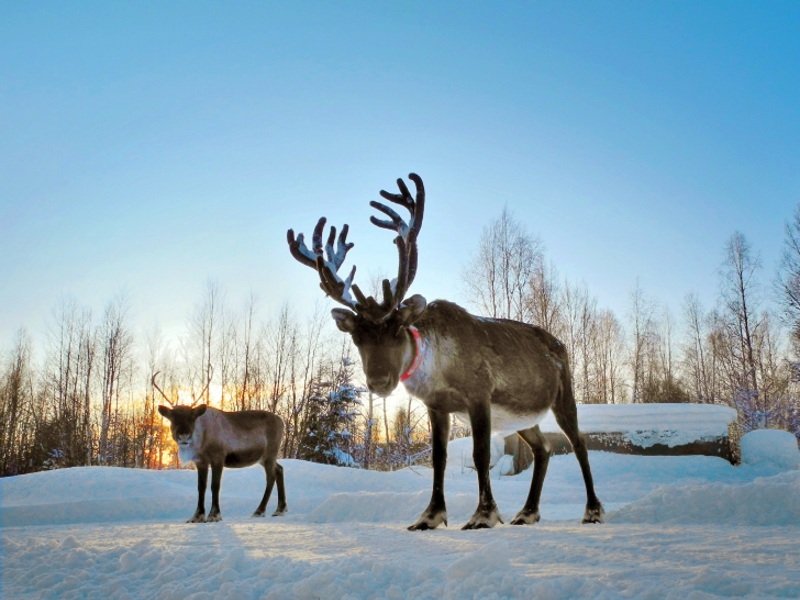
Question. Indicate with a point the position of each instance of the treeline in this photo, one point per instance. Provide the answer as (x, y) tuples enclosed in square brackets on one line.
[(88, 398), (741, 352)]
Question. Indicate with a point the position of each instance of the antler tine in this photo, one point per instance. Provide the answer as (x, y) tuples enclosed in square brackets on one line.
[(195, 399), (155, 385), (416, 207), (373, 310), (406, 239), (342, 246), (397, 224), (330, 282), (334, 286), (300, 251)]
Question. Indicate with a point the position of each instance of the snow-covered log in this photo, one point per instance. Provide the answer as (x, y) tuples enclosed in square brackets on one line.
[(646, 429)]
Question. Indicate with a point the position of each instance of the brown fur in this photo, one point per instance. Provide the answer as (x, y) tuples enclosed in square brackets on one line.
[(213, 438), (485, 370)]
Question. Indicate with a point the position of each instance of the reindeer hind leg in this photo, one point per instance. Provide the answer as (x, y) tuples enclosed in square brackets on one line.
[(566, 414), (282, 507), (541, 457), (269, 471)]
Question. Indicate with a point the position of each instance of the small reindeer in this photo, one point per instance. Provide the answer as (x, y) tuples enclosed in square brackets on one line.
[(494, 373), (216, 438)]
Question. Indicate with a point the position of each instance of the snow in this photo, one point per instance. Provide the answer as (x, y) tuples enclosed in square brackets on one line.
[(459, 451), (677, 527), (770, 446)]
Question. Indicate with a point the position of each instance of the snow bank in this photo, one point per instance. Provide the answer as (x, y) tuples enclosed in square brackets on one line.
[(770, 446), (766, 501)]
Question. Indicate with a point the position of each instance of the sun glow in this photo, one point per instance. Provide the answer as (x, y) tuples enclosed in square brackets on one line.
[(192, 396)]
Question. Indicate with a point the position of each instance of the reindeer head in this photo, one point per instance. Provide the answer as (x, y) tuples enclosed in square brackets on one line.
[(181, 418), (380, 330)]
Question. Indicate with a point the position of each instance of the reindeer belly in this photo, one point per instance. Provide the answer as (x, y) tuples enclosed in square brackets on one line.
[(243, 458), (507, 421)]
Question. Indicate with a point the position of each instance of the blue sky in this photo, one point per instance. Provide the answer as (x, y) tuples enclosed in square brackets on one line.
[(150, 147)]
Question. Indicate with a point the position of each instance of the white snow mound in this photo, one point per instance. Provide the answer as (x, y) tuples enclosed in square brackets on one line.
[(459, 451), (770, 446)]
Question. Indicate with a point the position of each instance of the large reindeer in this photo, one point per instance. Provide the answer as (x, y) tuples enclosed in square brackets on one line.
[(216, 438), (495, 374)]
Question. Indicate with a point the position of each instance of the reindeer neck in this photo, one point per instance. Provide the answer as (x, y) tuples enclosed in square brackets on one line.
[(442, 329), (416, 353)]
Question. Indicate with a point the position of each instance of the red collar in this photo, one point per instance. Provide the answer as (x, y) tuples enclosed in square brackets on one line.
[(417, 354)]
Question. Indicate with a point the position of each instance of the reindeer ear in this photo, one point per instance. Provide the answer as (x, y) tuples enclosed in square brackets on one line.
[(345, 319), (412, 309), (165, 412), (199, 411)]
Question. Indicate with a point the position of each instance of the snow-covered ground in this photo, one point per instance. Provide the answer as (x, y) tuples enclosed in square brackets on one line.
[(677, 527)]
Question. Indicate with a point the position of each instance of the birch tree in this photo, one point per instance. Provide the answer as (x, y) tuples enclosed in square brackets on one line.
[(498, 278)]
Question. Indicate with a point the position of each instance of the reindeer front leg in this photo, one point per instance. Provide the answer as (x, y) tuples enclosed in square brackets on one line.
[(216, 482), (486, 515), (202, 481), (436, 513)]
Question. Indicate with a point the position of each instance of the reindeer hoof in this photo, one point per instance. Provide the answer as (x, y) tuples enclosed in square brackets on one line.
[(259, 514), (484, 518), (422, 526), (594, 515), (280, 512), (214, 518), (197, 518), (526, 517), (429, 521)]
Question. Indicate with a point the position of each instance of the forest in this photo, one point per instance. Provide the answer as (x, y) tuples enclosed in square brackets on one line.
[(88, 394)]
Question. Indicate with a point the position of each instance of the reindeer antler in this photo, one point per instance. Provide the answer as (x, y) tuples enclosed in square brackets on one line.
[(155, 385), (339, 289), (406, 241), (196, 399), (330, 282)]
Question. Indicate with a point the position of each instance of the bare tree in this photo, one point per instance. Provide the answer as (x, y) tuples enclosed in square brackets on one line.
[(545, 297), (70, 363), (697, 356), (153, 434), (227, 356), (305, 355), (369, 426), (738, 292), (609, 358), (283, 342), (117, 355), (498, 278), (248, 351), (641, 318), (788, 279), (16, 403), (577, 331), (202, 348)]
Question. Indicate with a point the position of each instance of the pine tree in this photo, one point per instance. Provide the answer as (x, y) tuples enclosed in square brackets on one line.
[(332, 417)]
